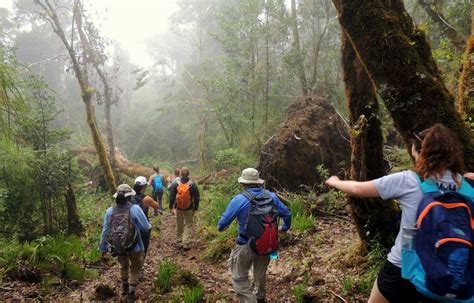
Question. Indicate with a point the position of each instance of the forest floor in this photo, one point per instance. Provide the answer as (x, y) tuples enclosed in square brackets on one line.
[(320, 265)]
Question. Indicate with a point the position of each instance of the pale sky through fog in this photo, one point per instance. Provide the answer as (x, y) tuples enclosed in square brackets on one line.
[(131, 22)]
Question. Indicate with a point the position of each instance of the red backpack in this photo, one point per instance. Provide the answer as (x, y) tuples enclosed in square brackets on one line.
[(262, 223)]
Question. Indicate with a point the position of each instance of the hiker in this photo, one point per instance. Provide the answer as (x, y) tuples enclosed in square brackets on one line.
[(171, 181), (157, 181), (128, 247), (184, 199), (439, 163), (252, 208), (145, 202)]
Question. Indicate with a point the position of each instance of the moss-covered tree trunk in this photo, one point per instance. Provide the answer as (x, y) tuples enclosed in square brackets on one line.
[(398, 59), (466, 81), (373, 217)]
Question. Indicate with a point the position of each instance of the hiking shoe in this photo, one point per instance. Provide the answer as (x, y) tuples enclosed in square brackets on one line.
[(131, 297)]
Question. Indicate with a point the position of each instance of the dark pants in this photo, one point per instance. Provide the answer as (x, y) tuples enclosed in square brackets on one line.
[(396, 289), (158, 196), (146, 239)]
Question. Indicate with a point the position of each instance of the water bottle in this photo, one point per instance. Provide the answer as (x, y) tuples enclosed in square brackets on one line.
[(408, 238), (274, 255)]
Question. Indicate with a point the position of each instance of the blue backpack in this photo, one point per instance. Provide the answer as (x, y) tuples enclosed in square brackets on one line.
[(441, 262), (157, 183)]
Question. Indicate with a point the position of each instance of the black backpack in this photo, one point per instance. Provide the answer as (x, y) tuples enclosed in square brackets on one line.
[(262, 223), (138, 200), (122, 236)]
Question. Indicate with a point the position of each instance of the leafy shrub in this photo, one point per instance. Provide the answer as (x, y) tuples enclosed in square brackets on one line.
[(166, 271), (231, 157)]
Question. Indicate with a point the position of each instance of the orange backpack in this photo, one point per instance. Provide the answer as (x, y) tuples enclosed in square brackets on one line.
[(183, 197)]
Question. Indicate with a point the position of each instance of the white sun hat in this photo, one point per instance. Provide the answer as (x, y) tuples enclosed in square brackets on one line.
[(250, 176)]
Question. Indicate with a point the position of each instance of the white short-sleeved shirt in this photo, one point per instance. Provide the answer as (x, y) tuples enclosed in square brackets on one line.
[(404, 187)]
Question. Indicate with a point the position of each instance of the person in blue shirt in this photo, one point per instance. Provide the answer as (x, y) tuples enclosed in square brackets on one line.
[(242, 256), (133, 262)]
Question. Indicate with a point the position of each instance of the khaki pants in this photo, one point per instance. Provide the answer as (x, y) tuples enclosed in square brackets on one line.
[(241, 259), (184, 222), (133, 264)]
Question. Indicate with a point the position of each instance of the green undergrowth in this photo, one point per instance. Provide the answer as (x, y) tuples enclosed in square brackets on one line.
[(362, 284), (91, 207), (301, 218), (59, 255), (175, 284), (216, 198)]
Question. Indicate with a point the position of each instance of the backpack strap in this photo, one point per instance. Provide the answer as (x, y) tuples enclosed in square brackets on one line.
[(247, 195), (466, 189), (428, 185)]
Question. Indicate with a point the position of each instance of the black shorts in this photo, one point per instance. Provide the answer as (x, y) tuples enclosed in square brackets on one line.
[(396, 289)]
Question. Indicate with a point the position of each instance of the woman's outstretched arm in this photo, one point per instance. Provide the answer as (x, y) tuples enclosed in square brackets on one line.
[(365, 189)]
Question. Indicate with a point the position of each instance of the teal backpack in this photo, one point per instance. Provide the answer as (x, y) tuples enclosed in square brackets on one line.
[(157, 183)]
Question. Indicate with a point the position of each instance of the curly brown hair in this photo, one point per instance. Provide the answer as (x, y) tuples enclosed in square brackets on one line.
[(440, 151)]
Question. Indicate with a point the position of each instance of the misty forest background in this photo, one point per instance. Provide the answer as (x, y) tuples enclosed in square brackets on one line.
[(78, 117)]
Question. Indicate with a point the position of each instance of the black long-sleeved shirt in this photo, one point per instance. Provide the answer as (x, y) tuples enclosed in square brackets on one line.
[(193, 190)]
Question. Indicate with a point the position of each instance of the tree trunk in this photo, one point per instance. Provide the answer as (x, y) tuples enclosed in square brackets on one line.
[(252, 87), (107, 111), (83, 80), (74, 225), (297, 49), (372, 216), (110, 134), (267, 68), (450, 32), (317, 42), (466, 81), (398, 59), (100, 146)]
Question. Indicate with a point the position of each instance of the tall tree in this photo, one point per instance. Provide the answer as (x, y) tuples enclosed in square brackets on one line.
[(465, 96), (373, 217), (297, 49), (77, 54), (398, 59)]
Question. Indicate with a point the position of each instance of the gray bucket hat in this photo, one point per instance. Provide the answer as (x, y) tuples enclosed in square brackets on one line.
[(250, 176), (126, 189)]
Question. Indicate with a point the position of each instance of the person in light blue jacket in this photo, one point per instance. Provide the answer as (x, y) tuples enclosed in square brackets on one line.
[(242, 256), (133, 262)]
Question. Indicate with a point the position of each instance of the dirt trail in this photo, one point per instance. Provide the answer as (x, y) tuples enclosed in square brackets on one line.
[(215, 277)]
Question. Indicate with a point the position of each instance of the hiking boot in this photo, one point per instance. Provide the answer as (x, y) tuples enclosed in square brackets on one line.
[(261, 301), (131, 297)]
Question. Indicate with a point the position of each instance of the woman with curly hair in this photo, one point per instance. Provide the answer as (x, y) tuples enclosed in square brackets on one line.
[(438, 156)]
